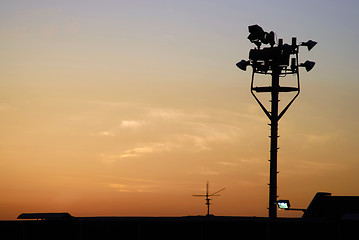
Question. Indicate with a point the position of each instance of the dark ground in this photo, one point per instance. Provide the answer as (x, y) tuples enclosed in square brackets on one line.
[(182, 228)]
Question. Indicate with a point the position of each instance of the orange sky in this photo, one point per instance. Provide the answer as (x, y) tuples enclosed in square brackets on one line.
[(127, 108)]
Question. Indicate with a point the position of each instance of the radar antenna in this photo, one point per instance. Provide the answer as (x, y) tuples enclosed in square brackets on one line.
[(207, 197)]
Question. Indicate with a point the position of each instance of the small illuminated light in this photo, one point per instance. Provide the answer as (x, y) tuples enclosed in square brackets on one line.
[(283, 204)]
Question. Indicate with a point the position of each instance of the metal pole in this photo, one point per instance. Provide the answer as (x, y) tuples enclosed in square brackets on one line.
[(207, 203), (274, 145)]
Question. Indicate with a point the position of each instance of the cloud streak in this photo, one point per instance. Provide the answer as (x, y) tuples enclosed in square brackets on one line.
[(145, 149), (130, 188), (203, 171), (132, 124), (131, 185), (170, 130), (135, 152), (315, 168)]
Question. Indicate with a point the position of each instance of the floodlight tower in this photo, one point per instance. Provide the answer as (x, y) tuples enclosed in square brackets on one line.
[(278, 60)]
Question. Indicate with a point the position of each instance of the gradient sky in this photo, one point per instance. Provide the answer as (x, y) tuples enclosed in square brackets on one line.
[(128, 107)]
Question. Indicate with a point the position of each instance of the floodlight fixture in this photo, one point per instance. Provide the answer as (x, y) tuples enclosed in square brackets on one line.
[(308, 65), (271, 38), (258, 36), (283, 204), (243, 65), (255, 33), (309, 44)]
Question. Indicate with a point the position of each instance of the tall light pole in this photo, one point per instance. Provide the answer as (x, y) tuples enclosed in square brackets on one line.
[(278, 60)]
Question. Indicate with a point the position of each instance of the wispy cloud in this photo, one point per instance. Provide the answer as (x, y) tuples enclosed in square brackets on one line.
[(130, 188), (125, 184), (318, 138), (229, 164), (136, 152), (203, 171), (250, 160), (200, 136), (145, 149), (133, 124), (143, 180), (124, 124), (315, 168), (321, 165), (107, 133), (108, 158), (192, 142), (174, 130), (171, 114)]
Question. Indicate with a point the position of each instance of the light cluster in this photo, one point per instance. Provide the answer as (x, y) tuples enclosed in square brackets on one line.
[(279, 57)]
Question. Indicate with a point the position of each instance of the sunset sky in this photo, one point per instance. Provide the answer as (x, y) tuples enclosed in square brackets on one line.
[(128, 107)]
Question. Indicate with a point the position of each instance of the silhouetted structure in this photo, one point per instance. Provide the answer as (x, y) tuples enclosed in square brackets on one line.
[(275, 61), (327, 217), (45, 216), (207, 197), (324, 206)]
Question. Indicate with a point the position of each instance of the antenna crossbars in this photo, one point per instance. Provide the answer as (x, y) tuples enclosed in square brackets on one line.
[(207, 195)]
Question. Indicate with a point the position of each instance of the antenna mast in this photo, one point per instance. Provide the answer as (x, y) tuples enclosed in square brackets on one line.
[(207, 195)]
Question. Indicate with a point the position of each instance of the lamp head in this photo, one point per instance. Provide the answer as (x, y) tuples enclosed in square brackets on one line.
[(255, 33), (271, 38), (308, 65), (243, 65), (310, 44)]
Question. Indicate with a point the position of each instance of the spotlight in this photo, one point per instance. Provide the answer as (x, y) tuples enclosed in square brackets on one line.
[(268, 38), (310, 44), (243, 65), (256, 33), (308, 65), (271, 38)]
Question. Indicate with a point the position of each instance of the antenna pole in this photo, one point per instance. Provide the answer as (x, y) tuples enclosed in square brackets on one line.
[(207, 200), (207, 195), (207, 203)]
